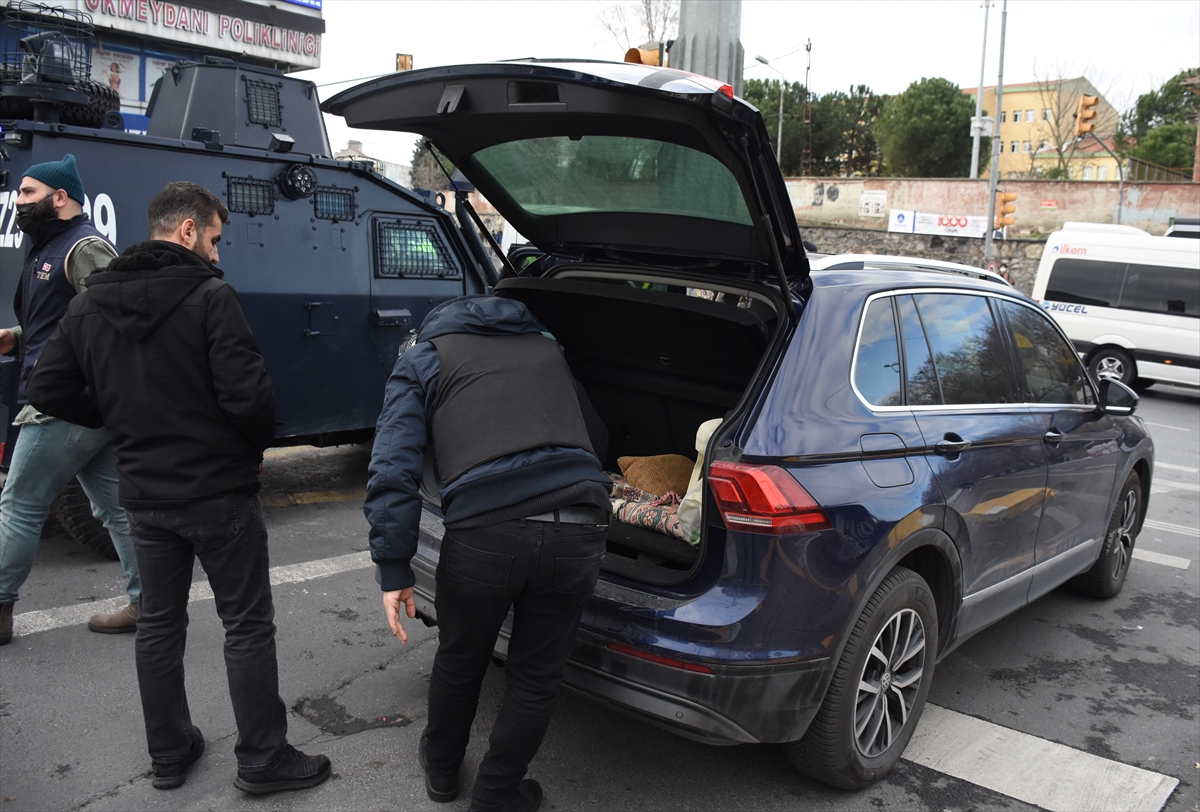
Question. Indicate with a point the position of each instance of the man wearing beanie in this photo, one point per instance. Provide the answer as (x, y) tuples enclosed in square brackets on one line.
[(64, 248)]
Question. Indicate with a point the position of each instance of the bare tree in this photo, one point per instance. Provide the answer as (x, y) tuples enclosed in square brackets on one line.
[(634, 22), (1060, 99)]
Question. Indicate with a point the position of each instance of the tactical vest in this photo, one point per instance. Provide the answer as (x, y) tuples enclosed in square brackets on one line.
[(44, 293), (497, 395)]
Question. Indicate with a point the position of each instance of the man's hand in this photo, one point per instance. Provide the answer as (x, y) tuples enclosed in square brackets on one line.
[(392, 601), (8, 340)]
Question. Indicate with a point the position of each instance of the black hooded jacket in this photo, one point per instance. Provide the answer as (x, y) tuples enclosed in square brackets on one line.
[(158, 351)]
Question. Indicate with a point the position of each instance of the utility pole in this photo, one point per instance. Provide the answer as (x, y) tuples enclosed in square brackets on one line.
[(782, 83), (994, 180), (807, 167), (709, 41), (977, 124)]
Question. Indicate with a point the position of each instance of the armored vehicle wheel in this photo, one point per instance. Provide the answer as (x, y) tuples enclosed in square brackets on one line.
[(1107, 575), (73, 510), (878, 691), (101, 99)]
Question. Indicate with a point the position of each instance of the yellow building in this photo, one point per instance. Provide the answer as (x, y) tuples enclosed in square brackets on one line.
[(1037, 130)]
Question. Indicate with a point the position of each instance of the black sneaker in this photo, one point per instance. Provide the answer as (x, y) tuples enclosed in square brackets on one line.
[(440, 787), (173, 776), (289, 769), (527, 798)]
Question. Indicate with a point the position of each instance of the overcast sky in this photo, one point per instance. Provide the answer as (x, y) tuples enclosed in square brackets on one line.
[(1125, 47)]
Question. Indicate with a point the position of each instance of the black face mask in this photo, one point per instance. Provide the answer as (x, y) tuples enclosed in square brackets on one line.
[(32, 217)]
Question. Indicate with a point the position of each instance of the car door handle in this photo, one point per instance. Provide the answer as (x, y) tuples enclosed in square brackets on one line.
[(949, 447), (1053, 437)]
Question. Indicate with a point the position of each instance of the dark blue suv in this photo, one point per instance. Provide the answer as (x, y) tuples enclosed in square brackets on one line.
[(902, 458)]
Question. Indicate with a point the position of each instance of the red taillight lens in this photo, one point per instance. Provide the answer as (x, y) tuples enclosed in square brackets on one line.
[(661, 660), (726, 89), (763, 499)]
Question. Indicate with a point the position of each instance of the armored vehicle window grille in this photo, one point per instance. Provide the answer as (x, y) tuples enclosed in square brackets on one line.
[(251, 196), (262, 99), (413, 249), (332, 203)]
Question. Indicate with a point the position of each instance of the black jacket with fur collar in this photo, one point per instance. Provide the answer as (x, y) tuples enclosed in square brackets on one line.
[(158, 351)]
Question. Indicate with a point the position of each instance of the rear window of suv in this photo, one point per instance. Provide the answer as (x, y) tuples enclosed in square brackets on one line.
[(601, 173)]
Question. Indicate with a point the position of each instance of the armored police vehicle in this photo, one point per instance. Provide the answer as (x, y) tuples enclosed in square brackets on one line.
[(334, 263)]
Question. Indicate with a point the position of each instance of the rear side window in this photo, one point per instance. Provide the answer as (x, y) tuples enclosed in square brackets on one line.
[(1158, 289), (877, 362), (1085, 281), (968, 352), (921, 380), (1050, 368)]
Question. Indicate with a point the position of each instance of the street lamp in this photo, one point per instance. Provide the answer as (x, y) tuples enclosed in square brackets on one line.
[(779, 135)]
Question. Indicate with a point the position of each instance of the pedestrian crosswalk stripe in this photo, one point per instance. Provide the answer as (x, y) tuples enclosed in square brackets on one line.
[(1182, 530), (1043, 773), (45, 620), (1161, 558)]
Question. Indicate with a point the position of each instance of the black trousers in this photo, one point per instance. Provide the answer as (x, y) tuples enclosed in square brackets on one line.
[(227, 534), (545, 572)]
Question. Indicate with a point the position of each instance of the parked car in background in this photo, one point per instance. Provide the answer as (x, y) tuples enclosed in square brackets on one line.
[(1129, 301), (858, 262), (901, 456)]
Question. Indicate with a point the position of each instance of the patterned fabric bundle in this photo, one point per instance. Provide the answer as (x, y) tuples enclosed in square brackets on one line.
[(641, 509)]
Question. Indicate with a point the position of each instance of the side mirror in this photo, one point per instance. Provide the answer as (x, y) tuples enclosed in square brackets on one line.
[(1116, 398)]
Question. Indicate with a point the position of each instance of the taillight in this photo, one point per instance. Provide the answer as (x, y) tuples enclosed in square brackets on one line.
[(726, 89), (763, 499), (661, 660)]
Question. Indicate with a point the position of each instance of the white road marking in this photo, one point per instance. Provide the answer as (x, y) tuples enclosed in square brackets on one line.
[(1049, 775), (1164, 485), (44, 620), (1167, 527), (1165, 426), (1176, 467), (1161, 558), (1039, 772)]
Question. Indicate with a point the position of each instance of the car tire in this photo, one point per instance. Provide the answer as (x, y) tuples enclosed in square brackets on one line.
[(855, 739), (73, 510), (1107, 575), (1113, 363)]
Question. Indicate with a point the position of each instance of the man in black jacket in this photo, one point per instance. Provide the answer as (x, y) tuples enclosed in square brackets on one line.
[(157, 349)]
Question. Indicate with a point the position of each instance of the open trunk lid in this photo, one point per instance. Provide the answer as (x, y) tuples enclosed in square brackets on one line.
[(596, 159)]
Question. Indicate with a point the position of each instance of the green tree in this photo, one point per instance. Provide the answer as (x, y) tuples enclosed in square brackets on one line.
[(1173, 103), (925, 132), (843, 142), (425, 171), (1172, 145)]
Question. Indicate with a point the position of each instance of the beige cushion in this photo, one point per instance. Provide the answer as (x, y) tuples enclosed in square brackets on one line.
[(657, 475)]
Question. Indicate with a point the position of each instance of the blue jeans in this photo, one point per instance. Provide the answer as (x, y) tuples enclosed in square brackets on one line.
[(47, 456), (227, 534), (546, 573)]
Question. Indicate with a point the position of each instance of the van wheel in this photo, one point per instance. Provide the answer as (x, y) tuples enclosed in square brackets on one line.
[(1114, 364), (878, 691), (1107, 575), (73, 510)]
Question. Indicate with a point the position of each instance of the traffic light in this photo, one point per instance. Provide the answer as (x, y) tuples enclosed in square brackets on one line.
[(646, 55), (1085, 118), (1006, 207)]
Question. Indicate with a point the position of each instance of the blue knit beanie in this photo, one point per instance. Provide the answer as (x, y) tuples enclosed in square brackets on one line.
[(59, 175)]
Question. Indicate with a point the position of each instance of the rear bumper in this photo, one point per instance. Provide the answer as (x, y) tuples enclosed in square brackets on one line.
[(743, 703)]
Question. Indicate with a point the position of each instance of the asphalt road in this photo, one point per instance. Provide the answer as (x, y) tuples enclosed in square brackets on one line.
[(1073, 691)]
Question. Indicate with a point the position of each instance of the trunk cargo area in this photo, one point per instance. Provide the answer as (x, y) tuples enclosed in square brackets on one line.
[(656, 363)]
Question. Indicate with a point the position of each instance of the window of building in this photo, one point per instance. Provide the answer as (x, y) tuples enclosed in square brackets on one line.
[(1070, 173), (1003, 116), (1000, 147), (1026, 146), (1016, 116), (1015, 146), (1102, 173), (1029, 116), (1044, 144), (1046, 114), (1088, 172)]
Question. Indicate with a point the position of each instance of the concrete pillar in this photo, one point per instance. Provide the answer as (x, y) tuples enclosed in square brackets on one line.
[(710, 40)]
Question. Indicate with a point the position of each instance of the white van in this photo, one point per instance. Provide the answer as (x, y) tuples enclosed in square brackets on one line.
[(1129, 301)]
